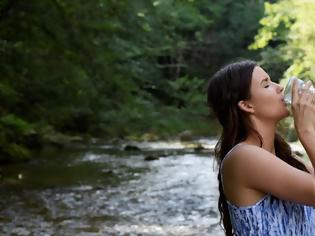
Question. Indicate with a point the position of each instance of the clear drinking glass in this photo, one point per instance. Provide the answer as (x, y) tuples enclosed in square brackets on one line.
[(289, 86)]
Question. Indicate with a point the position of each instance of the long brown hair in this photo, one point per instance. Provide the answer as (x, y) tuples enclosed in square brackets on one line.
[(226, 88)]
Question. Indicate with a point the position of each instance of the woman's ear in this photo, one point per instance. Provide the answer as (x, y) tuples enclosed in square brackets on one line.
[(245, 106)]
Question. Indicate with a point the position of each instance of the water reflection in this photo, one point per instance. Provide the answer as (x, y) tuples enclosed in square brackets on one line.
[(111, 192)]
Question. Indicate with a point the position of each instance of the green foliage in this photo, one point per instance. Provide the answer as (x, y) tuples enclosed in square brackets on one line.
[(114, 68), (183, 91), (13, 135), (287, 34), (14, 124), (287, 38)]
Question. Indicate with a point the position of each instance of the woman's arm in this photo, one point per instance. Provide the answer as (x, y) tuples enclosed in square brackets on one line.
[(259, 169), (303, 111), (307, 139)]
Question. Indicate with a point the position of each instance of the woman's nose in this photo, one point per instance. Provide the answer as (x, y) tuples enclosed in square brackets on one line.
[(279, 88)]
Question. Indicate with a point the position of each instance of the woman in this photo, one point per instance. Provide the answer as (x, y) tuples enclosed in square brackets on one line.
[(264, 188)]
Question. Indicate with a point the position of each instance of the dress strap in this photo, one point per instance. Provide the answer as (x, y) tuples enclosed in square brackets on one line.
[(225, 157)]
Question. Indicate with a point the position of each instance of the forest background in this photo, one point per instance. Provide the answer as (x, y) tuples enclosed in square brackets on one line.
[(73, 70)]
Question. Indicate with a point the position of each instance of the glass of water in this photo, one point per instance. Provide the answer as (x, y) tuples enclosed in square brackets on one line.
[(289, 87)]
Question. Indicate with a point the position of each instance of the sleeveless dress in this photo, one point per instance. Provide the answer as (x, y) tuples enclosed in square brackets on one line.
[(271, 216)]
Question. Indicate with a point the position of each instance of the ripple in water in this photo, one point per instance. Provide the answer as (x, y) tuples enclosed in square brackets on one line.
[(174, 195)]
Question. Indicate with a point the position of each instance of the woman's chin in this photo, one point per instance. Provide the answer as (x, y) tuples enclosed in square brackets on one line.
[(286, 114)]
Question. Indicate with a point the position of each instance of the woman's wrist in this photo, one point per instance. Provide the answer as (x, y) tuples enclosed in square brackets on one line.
[(305, 132), (307, 138)]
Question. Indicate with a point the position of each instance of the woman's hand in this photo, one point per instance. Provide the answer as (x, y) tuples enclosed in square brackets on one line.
[(303, 111), (303, 108)]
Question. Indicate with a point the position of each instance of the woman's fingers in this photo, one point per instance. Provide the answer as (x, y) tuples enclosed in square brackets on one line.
[(302, 96), (306, 94), (303, 107)]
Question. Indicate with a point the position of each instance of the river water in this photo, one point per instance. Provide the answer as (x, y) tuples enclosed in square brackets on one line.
[(103, 189)]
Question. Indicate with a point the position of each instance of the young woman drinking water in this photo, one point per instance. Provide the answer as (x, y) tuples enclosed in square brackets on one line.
[(264, 188)]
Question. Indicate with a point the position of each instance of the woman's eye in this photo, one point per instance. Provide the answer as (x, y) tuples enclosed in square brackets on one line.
[(266, 85)]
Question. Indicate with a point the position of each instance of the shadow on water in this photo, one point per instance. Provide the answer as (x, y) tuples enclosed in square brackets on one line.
[(105, 190)]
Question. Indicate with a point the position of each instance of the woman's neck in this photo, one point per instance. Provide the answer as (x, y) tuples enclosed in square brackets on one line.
[(267, 132)]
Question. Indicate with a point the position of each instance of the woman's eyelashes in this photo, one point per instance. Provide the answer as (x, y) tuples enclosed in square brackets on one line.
[(266, 85)]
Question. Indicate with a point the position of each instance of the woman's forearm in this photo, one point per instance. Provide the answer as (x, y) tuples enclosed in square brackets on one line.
[(307, 139)]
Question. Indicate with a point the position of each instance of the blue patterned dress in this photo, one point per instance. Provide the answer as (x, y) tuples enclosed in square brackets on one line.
[(273, 217)]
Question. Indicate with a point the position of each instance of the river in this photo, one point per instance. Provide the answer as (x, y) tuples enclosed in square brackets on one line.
[(104, 189)]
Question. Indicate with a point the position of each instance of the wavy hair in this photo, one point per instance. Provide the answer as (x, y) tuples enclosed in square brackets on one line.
[(226, 88)]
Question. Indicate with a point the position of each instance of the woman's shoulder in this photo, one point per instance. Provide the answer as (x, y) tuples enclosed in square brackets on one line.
[(256, 168), (243, 150), (236, 170), (244, 157)]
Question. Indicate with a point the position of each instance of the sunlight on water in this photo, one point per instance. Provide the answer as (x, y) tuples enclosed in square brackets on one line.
[(173, 144), (115, 193)]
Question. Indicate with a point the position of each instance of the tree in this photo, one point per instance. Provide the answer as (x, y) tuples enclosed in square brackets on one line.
[(114, 68), (287, 36)]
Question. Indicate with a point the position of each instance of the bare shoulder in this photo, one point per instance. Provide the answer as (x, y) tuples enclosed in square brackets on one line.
[(260, 170), (249, 159), (239, 159), (244, 155)]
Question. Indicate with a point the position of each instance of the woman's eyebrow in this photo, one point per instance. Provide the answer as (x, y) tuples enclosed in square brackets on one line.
[(265, 79)]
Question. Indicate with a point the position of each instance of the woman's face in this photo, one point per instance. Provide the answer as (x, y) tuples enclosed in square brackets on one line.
[(266, 97)]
